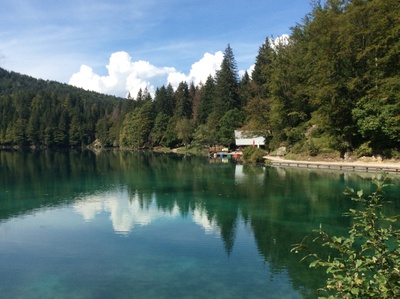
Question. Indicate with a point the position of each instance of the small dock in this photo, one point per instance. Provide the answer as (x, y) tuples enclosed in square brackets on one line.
[(229, 155), (360, 167)]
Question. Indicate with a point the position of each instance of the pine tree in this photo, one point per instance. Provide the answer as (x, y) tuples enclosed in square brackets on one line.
[(227, 96), (245, 89), (183, 108), (207, 100), (261, 74)]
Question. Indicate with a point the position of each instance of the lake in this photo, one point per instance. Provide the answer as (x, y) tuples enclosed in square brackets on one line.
[(79, 224)]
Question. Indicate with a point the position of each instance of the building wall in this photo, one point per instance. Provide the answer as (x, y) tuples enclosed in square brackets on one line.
[(240, 140)]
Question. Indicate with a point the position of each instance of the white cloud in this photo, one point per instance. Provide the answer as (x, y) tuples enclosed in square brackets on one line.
[(280, 40), (175, 78), (200, 70), (206, 66), (249, 71), (86, 78), (125, 76)]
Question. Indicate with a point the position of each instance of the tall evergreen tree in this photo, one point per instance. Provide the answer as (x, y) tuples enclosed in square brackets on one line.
[(195, 94), (226, 87), (159, 129), (261, 74), (164, 100), (183, 107), (246, 89), (207, 100)]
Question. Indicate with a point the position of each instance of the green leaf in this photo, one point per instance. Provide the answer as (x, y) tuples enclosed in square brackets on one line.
[(348, 191), (314, 264), (355, 291), (358, 263)]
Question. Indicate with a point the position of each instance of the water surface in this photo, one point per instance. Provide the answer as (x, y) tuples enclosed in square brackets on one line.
[(141, 225)]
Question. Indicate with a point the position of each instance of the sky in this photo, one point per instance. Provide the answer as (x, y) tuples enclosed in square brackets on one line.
[(120, 46)]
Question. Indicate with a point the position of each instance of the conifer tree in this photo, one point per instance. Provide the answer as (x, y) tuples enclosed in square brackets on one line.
[(207, 99), (261, 74), (183, 107), (226, 87), (164, 100)]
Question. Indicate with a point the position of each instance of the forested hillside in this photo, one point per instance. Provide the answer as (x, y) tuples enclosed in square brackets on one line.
[(334, 85), (337, 79), (49, 114)]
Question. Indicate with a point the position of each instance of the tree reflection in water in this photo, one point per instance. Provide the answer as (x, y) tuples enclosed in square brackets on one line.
[(279, 206)]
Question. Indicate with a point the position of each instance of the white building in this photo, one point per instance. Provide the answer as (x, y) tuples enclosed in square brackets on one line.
[(246, 138)]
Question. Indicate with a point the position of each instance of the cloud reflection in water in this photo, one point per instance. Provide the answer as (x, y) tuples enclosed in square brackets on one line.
[(127, 213)]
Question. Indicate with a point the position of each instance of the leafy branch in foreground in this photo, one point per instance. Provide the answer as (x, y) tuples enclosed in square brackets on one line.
[(366, 263)]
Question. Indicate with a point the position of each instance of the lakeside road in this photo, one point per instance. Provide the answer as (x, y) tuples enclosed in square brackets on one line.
[(375, 166)]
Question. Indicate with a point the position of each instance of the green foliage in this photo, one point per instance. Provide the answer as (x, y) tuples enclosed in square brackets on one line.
[(183, 108), (334, 69), (262, 68), (226, 87), (103, 126), (294, 135), (159, 129), (232, 120), (170, 137), (184, 129), (391, 153), (321, 143), (364, 264), (364, 150), (50, 114), (312, 149), (206, 96), (338, 70), (258, 114), (138, 125), (200, 136), (207, 134), (164, 100), (378, 121), (253, 155)]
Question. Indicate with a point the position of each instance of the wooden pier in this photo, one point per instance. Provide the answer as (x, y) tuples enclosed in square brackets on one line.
[(361, 167)]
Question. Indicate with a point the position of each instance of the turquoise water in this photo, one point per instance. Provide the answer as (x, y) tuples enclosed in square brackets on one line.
[(143, 225)]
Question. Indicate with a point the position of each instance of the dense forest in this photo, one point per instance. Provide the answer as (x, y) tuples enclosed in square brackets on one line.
[(332, 86)]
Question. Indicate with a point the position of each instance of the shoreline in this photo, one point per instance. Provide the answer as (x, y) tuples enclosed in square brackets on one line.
[(373, 166)]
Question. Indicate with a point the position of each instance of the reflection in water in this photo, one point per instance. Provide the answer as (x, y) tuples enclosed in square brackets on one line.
[(270, 208), (243, 172), (127, 213), (200, 218)]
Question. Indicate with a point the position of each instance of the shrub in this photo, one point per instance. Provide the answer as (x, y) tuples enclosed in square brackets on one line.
[(253, 155), (391, 154), (366, 263), (364, 150), (312, 148)]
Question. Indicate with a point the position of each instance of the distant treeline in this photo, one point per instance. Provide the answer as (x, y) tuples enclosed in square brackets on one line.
[(45, 113), (333, 85)]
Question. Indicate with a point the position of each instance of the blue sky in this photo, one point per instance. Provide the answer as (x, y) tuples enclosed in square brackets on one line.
[(118, 46)]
